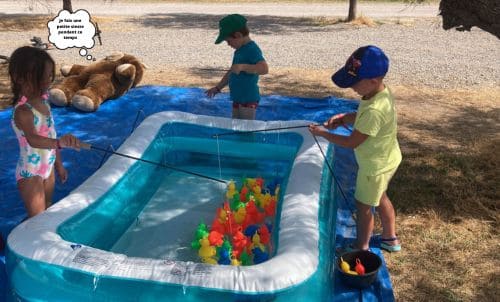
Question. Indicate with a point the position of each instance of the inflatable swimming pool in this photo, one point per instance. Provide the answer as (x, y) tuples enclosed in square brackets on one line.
[(123, 235)]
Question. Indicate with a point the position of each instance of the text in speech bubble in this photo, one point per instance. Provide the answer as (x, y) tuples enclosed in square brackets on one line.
[(69, 30)]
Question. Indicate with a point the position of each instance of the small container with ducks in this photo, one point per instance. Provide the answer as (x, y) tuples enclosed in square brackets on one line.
[(358, 268)]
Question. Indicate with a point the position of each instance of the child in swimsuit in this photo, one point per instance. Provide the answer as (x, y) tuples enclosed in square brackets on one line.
[(31, 71), (248, 64)]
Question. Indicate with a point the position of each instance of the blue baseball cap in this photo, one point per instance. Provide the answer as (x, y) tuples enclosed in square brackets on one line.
[(366, 62)]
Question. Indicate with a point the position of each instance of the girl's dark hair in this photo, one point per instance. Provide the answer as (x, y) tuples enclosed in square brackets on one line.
[(27, 64)]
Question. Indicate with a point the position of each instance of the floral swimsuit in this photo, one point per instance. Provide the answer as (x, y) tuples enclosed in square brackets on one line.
[(35, 161)]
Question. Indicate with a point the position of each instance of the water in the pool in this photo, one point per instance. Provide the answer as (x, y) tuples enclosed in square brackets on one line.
[(165, 227)]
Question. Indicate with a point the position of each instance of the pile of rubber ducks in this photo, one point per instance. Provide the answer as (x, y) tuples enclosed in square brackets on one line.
[(240, 233)]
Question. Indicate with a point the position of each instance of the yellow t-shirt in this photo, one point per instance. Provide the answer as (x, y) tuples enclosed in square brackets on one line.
[(377, 118)]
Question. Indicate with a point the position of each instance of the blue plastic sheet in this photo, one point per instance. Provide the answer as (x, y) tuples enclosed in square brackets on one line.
[(116, 119)]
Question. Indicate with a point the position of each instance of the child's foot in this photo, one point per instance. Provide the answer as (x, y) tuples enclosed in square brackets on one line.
[(391, 245), (339, 251)]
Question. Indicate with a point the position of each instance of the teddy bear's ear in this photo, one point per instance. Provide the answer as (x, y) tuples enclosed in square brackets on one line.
[(65, 70), (115, 56)]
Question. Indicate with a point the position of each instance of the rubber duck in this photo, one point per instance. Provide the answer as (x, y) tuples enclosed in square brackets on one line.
[(239, 215), (256, 243), (209, 261), (259, 256), (240, 241), (206, 251), (265, 236), (235, 262), (359, 268), (231, 190), (215, 238)]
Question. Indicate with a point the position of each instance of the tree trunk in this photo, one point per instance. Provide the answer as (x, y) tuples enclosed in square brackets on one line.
[(67, 6), (464, 14), (352, 10)]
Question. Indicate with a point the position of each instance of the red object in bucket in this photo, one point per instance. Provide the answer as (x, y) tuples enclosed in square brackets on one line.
[(371, 263), (360, 269)]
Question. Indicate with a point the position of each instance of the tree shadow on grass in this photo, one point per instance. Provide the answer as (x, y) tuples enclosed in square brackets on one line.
[(458, 178), (263, 25)]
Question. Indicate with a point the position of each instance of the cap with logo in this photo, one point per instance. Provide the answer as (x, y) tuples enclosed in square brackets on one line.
[(366, 62)]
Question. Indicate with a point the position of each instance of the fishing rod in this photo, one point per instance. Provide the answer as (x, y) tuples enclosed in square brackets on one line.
[(260, 130), (269, 129), (89, 147), (333, 176)]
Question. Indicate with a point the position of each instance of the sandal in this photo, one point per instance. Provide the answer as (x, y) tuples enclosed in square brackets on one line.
[(391, 248)]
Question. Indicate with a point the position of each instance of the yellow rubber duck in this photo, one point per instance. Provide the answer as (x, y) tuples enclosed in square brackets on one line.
[(251, 182), (209, 261), (231, 190), (235, 262), (266, 198), (239, 215), (256, 243), (206, 251)]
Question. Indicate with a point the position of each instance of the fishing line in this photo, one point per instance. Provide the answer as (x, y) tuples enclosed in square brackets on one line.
[(260, 130), (333, 176), (89, 146)]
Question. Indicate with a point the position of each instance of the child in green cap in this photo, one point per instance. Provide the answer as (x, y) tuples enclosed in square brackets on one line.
[(248, 63)]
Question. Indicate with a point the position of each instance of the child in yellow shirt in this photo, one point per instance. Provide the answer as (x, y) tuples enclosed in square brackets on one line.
[(374, 140)]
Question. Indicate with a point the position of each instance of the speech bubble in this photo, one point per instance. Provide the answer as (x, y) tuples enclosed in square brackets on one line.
[(69, 30)]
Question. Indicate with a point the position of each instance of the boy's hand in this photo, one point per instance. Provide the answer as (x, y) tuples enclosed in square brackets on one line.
[(212, 91), (317, 130), (237, 68), (335, 121), (69, 141), (62, 173)]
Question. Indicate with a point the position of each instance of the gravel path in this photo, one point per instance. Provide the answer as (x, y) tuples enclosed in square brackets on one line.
[(291, 36)]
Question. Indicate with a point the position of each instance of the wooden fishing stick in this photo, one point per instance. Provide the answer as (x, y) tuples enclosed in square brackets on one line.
[(89, 147)]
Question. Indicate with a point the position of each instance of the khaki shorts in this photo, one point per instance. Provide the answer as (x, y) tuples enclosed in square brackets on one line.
[(369, 188)]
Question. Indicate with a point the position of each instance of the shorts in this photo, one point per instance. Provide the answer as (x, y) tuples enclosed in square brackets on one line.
[(369, 188)]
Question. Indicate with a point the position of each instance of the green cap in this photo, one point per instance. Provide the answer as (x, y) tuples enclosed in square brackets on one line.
[(230, 24)]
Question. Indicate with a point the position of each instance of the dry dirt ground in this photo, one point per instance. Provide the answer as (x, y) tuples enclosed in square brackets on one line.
[(445, 192)]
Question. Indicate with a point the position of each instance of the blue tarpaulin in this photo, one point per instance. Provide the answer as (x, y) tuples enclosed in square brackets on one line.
[(116, 119)]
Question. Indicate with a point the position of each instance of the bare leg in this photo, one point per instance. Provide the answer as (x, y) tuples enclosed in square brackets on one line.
[(236, 113), (247, 113), (364, 225), (387, 218), (49, 184), (33, 194)]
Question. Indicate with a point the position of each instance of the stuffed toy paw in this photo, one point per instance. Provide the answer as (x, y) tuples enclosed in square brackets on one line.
[(87, 87)]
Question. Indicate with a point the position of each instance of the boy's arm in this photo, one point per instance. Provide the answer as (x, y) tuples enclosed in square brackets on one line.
[(223, 82), (340, 119), (218, 88), (349, 118), (260, 68), (353, 141)]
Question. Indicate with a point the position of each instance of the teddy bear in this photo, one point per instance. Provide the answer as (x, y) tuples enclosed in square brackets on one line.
[(87, 87)]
